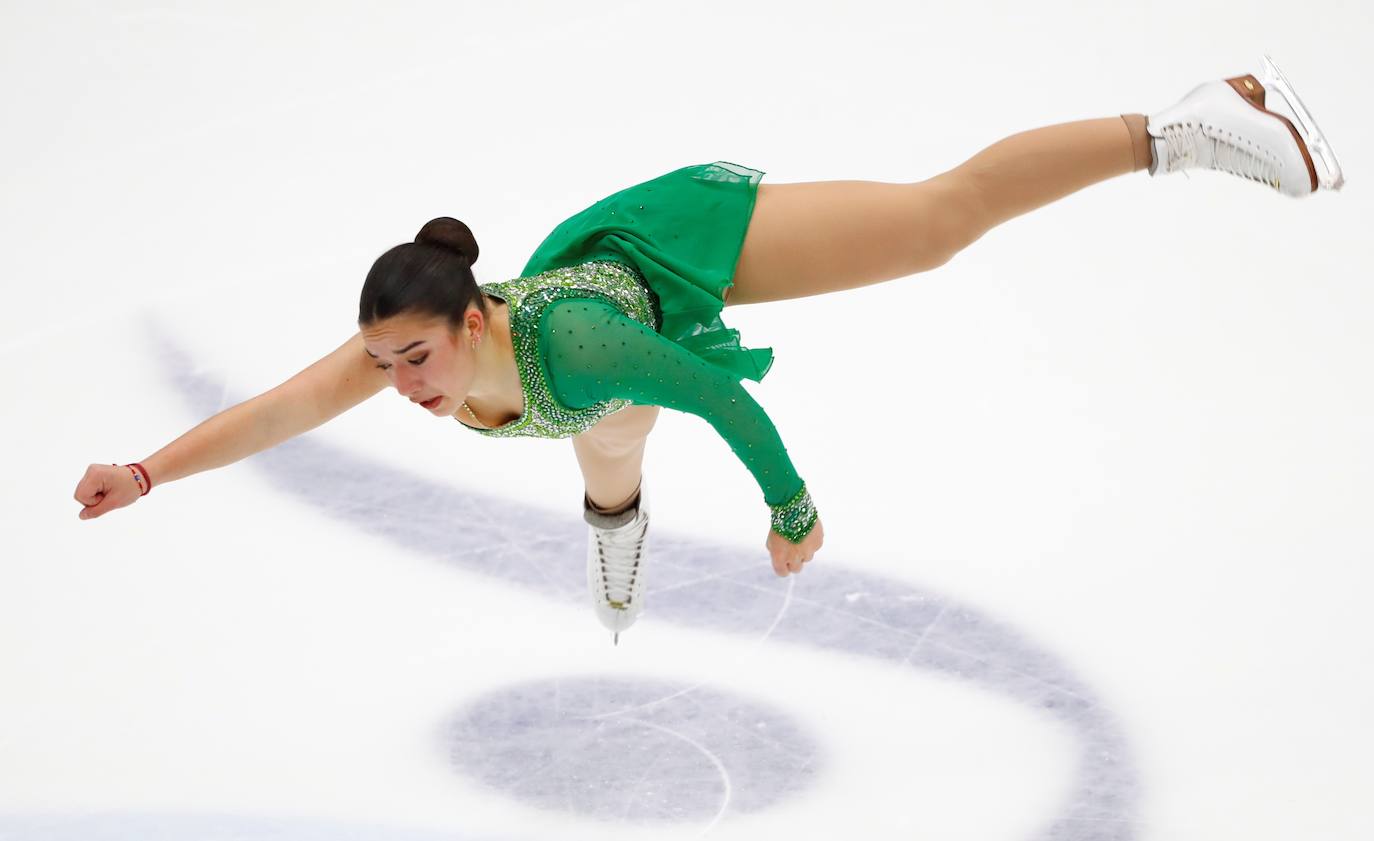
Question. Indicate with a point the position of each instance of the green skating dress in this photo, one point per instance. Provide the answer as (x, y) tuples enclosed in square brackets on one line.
[(621, 305)]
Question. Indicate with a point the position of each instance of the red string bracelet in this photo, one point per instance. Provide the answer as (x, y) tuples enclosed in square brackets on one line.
[(141, 477), (147, 480)]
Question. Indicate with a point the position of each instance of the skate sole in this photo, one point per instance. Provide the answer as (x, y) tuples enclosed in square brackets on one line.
[(1253, 93)]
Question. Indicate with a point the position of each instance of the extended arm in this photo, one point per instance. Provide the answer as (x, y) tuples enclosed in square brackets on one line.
[(329, 387), (595, 353)]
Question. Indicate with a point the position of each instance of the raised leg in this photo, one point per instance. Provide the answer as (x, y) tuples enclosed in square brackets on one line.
[(611, 455), (826, 236)]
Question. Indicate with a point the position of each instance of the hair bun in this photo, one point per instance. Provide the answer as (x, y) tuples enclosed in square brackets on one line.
[(447, 232)]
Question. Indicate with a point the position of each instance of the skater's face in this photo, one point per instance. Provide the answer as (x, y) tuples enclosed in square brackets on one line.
[(427, 361)]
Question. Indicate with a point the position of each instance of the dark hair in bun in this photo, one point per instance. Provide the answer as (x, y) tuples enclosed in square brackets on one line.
[(431, 276), (447, 232)]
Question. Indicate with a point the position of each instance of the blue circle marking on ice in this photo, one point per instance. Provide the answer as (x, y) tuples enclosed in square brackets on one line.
[(630, 749)]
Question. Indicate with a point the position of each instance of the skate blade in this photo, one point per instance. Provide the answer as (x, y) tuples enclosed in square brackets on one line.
[(1329, 175)]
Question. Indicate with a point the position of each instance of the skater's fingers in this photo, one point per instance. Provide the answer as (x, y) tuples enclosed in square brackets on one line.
[(788, 557), (90, 512), (92, 486), (103, 489), (108, 503)]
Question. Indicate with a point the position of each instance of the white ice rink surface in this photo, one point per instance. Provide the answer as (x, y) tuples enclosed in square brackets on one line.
[(1097, 494)]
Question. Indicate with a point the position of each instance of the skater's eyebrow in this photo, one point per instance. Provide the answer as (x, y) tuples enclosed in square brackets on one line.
[(402, 350)]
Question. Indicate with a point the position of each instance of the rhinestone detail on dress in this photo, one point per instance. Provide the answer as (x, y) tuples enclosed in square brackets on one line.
[(794, 518), (616, 283)]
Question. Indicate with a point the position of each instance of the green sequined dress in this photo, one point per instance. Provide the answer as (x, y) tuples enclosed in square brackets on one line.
[(621, 305)]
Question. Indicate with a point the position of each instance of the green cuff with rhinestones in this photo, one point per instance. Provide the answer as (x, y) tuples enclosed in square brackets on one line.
[(795, 518)]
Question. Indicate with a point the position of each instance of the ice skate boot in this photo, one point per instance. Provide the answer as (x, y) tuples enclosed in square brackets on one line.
[(1226, 125), (616, 545)]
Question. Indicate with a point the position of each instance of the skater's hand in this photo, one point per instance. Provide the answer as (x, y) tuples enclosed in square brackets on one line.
[(788, 557), (104, 488)]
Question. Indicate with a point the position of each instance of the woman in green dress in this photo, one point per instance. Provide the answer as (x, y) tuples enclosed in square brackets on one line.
[(618, 312)]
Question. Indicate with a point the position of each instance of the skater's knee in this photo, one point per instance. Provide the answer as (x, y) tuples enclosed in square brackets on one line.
[(610, 447), (621, 434)]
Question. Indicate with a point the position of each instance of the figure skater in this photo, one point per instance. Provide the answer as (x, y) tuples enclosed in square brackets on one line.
[(617, 312)]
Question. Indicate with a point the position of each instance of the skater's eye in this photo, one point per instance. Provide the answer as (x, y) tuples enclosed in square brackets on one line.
[(384, 367), (414, 362)]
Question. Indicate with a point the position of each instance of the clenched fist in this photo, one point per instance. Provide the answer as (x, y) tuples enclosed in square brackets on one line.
[(104, 488), (788, 557)]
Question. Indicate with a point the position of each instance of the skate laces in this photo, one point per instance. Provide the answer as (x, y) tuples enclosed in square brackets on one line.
[(1184, 142), (619, 551)]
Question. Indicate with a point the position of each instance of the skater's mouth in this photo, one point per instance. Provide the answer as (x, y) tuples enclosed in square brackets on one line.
[(433, 403)]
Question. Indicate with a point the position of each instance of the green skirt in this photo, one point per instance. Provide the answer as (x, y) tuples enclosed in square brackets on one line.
[(682, 232)]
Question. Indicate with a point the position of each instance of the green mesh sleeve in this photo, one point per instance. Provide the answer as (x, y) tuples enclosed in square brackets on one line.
[(594, 353)]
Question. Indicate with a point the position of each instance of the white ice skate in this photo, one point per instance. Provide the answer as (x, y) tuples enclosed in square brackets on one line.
[(616, 547), (1226, 125)]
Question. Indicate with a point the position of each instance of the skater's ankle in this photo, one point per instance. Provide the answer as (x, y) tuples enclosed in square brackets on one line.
[(1140, 141), (629, 506)]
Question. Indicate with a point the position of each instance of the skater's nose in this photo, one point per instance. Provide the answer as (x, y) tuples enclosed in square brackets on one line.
[(407, 384)]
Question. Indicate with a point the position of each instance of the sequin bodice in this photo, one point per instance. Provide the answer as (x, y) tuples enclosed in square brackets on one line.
[(545, 416)]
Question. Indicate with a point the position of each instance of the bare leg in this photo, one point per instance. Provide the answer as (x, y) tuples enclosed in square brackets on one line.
[(826, 236), (611, 455)]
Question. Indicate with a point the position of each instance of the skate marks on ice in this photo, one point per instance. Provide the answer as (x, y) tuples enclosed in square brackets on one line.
[(695, 584)]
